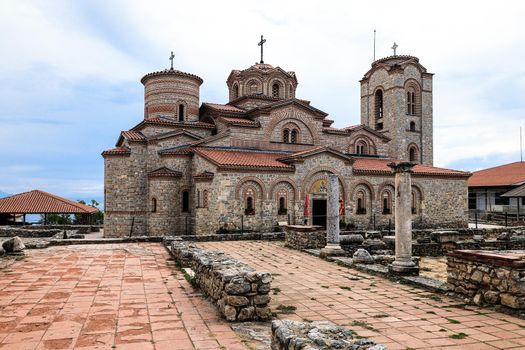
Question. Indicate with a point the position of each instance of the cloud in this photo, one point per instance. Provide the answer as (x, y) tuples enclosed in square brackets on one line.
[(71, 70)]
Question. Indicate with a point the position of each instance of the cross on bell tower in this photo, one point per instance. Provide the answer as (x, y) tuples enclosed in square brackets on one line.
[(172, 56), (261, 43), (394, 47)]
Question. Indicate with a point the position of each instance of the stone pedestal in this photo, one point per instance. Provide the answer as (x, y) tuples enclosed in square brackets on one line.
[(403, 265), (333, 247)]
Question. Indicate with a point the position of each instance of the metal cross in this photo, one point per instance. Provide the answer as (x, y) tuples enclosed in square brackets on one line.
[(394, 47), (261, 43), (172, 56)]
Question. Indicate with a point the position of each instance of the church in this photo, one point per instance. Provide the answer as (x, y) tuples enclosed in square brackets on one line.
[(262, 158)]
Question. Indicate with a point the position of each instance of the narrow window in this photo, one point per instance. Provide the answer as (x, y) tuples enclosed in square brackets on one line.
[(282, 206), (411, 101), (293, 136), (290, 91), (235, 93), (275, 90), (286, 136), (361, 148), (412, 126), (198, 198), (153, 205), (205, 199), (378, 108), (249, 210), (361, 208), (412, 154), (414, 204), (185, 201), (181, 112), (252, 87), (387, 203)]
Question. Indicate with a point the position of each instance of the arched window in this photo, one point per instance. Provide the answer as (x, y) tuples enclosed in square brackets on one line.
[(252, 87), (185, 201), (414, 203), (286, 135), (412, 154), (290, 91), (182, 111), (412, 126), (361, 203), (411, 101), (275, 90), (235, 92), (387, 203), (205, 199), (361, 147), (378, 112), (153, 205), (282, 206), (249, 202), (293, 136)]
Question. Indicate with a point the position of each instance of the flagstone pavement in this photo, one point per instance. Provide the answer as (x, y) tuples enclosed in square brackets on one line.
[(123, 296), (396, 315)]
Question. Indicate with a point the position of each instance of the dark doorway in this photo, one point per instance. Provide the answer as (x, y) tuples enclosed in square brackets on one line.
[(319, 212)]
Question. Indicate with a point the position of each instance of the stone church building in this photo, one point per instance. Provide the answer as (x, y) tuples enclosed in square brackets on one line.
[(262, 157)]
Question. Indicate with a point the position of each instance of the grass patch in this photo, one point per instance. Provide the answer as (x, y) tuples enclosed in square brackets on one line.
[(326, 287), (364, 324), (458, 335), (276, 290), (381, 316), (427, 269), (345, 288), (286, 309), (453, 321)]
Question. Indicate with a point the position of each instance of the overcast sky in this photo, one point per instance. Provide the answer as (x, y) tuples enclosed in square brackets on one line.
[(70, 71)]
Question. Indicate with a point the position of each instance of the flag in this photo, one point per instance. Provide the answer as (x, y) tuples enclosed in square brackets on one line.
[(305, 213)]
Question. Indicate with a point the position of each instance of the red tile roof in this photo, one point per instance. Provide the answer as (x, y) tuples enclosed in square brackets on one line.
[(133, 135), (244, 159), (165, 172), (503, 175), (380, 166), (124, 151), (240, 121), (224, 108), (204, 175), (40, 202), (180, 150), (173, 122)]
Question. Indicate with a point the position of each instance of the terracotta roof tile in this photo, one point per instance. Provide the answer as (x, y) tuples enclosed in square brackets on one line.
[(224, 108), (179, 150), (204, 175), (330, 130), (133, 135), (244, 158), (117, 151), (240, 121), (380, 166), (503, 175), (165, 172), (173, 122), (40, 202)]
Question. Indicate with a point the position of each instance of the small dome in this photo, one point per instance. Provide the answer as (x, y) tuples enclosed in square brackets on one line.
[(173, 72), (263, 66)]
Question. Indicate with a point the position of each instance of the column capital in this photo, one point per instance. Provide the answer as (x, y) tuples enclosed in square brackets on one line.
[(401, 167)]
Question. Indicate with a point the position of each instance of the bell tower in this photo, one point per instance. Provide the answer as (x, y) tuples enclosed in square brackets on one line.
[(396, 100)]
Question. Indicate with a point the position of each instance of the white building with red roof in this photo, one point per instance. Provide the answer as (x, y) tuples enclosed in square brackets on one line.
[(254, 161)]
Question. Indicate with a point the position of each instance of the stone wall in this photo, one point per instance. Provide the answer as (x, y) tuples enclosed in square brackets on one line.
[(241, 293), (304, 237), (488, 277), (12, 231), (296, 335)]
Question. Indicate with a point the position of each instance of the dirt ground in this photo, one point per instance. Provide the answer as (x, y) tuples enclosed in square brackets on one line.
[(435, 268)]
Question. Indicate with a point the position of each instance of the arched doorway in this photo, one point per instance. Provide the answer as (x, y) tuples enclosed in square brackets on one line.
[(318, 197)]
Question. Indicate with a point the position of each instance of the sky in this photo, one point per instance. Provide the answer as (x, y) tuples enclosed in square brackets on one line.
[(70, 72)]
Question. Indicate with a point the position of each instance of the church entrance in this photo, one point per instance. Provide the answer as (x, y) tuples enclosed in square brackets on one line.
[(319, 212)]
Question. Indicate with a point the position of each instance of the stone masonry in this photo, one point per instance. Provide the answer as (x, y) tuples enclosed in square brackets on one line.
[(251, 163)]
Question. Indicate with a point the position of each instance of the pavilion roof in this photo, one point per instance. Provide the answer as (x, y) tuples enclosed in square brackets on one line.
[(40, 202)]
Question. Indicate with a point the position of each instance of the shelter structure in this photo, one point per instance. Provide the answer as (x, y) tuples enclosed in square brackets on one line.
[(496, 190), (40, 202)]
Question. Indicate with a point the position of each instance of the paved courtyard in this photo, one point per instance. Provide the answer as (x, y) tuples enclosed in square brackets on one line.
[(396, 315), (125, 296)]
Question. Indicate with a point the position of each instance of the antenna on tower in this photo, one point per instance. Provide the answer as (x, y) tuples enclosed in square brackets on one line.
[(521, 146), (374, 45)]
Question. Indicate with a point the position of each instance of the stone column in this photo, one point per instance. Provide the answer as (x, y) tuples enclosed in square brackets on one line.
[(332, 219), (403, 263)]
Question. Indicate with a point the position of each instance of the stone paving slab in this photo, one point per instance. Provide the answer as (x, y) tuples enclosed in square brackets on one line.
[(396, 315), (123, 296)]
